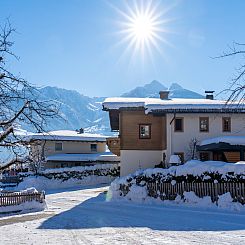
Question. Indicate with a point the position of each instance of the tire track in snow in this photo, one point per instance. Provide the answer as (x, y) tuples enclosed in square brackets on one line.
[(78, 238)]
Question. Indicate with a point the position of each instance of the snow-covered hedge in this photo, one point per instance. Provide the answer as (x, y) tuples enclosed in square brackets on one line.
[(68, 177), (139, 194), (192, 171), (134, 187)]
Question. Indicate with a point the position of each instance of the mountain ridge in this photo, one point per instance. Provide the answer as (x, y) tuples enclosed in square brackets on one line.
[(79, 110), (152, 89)]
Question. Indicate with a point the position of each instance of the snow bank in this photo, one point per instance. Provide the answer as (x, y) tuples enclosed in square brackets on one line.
[(139, 194), (32, 206), (27, 206)]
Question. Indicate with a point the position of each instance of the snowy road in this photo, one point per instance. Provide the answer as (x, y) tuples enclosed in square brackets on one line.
[(83, 216)]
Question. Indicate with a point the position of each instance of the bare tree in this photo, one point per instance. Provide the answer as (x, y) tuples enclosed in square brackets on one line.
[(36, 156), (19, 100), (236, 90)]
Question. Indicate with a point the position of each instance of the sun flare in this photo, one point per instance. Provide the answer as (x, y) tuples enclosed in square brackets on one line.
[(143, 27)]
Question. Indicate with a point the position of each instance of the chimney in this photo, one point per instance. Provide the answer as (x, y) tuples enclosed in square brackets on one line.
[(209, 94), (164, 95)]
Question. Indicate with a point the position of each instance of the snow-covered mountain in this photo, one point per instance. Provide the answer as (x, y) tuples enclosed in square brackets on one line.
[(78, 110), (152, 90)]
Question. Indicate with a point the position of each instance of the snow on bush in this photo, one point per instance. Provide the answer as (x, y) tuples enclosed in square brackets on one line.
[(192, 171), (100, 167), (139, 194), (69, 177), (134, 186)]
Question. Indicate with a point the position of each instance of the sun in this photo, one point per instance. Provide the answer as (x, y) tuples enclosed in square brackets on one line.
[(143, 27)]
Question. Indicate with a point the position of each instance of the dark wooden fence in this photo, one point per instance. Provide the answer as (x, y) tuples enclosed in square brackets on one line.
[(16, 198), (168, 191)]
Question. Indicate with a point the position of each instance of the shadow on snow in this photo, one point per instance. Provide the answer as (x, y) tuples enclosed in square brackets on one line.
[(98, 213)]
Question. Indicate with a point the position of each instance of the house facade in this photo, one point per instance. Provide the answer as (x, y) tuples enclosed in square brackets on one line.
[(151, 129), (66, 148)]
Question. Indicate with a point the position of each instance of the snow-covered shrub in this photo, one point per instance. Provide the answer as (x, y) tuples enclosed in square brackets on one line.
[(192, 172), (68, 177)]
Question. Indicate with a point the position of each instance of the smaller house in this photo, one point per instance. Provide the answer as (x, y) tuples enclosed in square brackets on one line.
[(66, 148)]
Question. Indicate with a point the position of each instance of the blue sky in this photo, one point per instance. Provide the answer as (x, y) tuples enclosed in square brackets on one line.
[(74, 44)]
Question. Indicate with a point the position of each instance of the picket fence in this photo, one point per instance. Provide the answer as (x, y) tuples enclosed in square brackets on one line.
[(16, 198), (169, 191)]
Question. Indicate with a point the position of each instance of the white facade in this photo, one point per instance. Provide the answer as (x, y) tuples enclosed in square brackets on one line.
[(180, 141), (132, 160)]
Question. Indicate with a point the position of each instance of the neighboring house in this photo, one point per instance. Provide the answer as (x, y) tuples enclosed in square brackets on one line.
[(65, 148), (151, 129)]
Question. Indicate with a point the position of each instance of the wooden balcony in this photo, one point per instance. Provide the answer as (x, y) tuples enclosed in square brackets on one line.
[(113, 144)]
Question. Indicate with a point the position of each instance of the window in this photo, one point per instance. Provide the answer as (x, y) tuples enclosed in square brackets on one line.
[(181, 156), (93, 147), (226, 124), (179, 124), (204, 156), (144, 131), (204, 124), (58, 146)]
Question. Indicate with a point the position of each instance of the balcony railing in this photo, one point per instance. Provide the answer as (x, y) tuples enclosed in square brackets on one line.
[(113, 144)]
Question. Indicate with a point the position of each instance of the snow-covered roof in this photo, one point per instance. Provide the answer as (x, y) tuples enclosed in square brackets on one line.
[(232, 140), (104, 156), (154, 104), (66, 135)]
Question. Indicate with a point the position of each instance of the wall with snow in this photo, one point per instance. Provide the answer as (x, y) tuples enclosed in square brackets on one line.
[(179, 141)]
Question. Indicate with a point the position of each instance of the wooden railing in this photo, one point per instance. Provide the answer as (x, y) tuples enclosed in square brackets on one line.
[(168, 191), (16, 198)]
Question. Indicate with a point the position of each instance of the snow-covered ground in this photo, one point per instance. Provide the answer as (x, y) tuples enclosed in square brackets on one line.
[(83, 216)]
